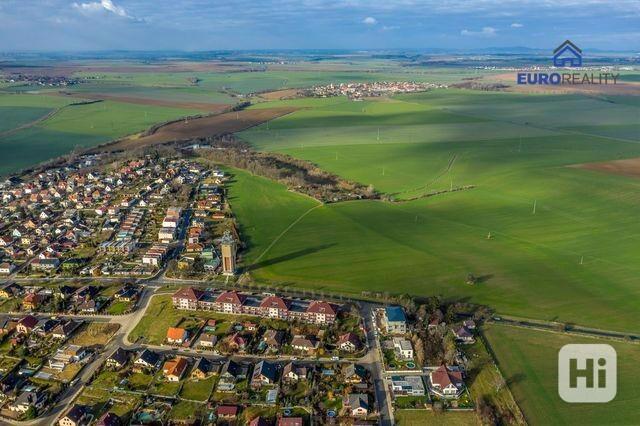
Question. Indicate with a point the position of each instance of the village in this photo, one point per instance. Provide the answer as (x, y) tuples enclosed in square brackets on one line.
[(122, 304), (358, 91)]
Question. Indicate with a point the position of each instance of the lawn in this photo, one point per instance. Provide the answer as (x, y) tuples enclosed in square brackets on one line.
[(429, 245), (185, 410), (529, 361), (160, 315), (118, 307), (198, 390), (424, 418)]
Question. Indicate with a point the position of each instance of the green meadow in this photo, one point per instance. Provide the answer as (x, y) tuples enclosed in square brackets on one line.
[(71, 127), (532, 376), (548, 241)]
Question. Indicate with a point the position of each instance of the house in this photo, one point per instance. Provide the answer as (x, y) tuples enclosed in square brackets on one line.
[(76, 416), (29, 398), (174, 369), (407, 385), (118, 359), (293, 373), (45, 326), (349, 342), (6, 268), (65, 291), (567, 55), (274, 307), (65, 329), (208, 340), (445, 382), (231, 373), (148, 360), (177, 335), (202, 369), (306, 344), (403, 348), (109, 419), (357, 404), (31, 301), (464, 335), (354, 373), (237, 342), (26, 324), (273, 338), (394, 320), (66, 355), (227, 411), (10, 289), (264, 373)]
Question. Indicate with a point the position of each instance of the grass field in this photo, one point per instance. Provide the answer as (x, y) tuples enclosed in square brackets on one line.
[(573, 260), (529, 361), (424, 418), (73, 126)]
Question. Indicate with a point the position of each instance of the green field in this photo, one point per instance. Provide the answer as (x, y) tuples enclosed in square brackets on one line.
[(424, 418), (71, 127), (532, 377), (574, 260)]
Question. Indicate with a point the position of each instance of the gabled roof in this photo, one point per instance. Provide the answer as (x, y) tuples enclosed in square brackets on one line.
[(444, 377), (231, 297), (266, 369), (76, 413), (176, 333), (320, 307), (189, 293), (119, 356), (175, 367), (149, 357), (29, 321), (227, 410), (274, 302)]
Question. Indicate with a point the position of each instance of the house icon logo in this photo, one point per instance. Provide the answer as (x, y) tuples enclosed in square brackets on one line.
[(567, 55)]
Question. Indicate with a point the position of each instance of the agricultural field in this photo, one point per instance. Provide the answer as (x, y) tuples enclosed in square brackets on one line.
[(532, 376), (429, 417), (530, 227), (70, 127)]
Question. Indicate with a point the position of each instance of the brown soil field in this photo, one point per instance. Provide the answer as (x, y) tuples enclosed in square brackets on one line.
[(201, 106), (279, 94), (622, 88), (229, 122), (628, 167)]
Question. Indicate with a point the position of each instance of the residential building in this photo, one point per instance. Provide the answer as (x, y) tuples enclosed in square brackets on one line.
[(408, 385), (174, 369), (446, 382), (394, 320), (403, 348), (176, 335), (77, 415), (357, 404)]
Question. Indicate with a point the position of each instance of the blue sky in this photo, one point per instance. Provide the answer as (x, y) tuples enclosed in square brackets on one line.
[(270, 24)]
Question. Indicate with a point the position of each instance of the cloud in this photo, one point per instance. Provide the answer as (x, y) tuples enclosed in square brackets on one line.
[(516, 25), (103, 5), (484, 32), (370, 20)]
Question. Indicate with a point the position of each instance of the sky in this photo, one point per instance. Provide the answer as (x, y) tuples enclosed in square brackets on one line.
[(192, 25)]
